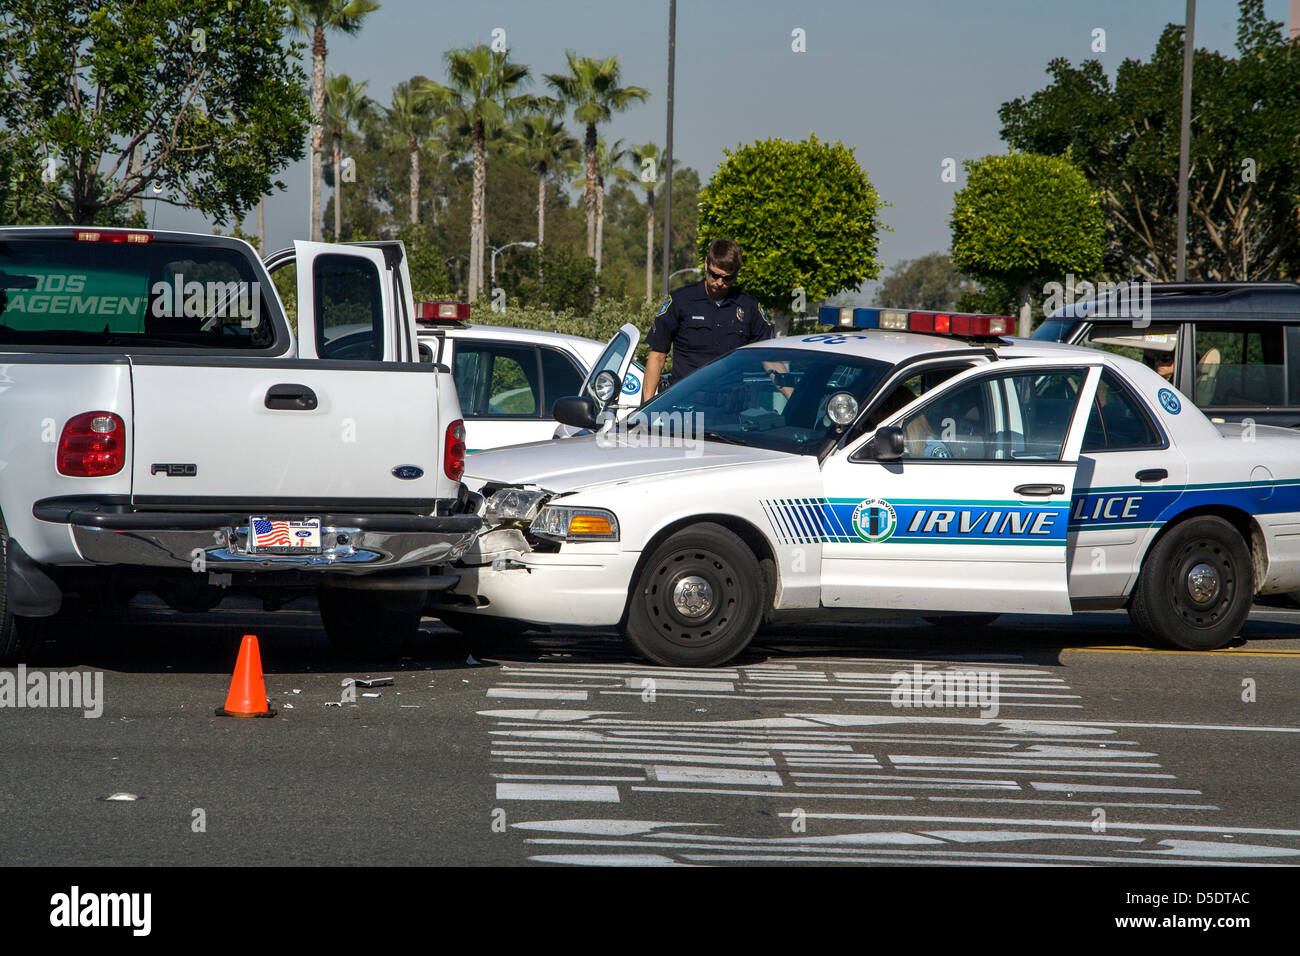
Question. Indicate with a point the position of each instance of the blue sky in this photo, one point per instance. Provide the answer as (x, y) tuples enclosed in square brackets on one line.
[(906, 84)]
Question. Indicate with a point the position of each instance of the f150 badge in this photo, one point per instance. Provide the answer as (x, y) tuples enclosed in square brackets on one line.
[(174, 469)]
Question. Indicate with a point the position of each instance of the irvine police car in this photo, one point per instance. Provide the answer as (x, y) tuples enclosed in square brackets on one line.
[(888, 471), (509, 379)]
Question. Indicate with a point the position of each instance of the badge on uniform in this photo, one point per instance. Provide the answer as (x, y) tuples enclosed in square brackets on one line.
[(664, 308), (740, 314)]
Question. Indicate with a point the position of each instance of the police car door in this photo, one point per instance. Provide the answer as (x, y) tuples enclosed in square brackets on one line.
[(974, 515)]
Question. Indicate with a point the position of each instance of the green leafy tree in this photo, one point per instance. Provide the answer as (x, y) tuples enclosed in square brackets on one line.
[(345, 105), (1023, 219), (591, 88), (484, 90), (1244, 183), (103, 100), (314, 18), (930, 283), (805, 215)]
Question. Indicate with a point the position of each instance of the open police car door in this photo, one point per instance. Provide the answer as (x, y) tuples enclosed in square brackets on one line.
[(973, 515), (610, 383)]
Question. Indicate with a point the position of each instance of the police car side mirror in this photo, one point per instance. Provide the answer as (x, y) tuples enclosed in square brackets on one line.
[(887, 445), (576, 410)]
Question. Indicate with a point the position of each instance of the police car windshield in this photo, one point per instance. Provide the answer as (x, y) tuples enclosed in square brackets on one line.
[(770, 398)]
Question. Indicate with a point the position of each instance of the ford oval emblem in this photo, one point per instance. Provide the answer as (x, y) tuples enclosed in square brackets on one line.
[(408, 472)]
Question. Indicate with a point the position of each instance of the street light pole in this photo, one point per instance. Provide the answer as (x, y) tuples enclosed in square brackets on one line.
[(1184, 143), (668, 144), (497, 251)]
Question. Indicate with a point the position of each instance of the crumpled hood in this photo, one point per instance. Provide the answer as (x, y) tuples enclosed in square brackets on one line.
[(563, 465)]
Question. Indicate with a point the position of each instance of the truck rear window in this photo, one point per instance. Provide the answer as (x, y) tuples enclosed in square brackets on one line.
[(168, 295)]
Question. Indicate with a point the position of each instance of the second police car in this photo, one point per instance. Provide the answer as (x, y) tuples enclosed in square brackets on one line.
[(882, 470)]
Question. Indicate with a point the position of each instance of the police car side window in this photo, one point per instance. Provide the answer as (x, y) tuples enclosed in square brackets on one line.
[(560, 377), (1006, 417), (1118, 421), (497, 381)]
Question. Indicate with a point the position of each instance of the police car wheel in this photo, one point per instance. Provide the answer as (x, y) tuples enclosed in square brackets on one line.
[(698, 600), (1196, 586), (370, 625)]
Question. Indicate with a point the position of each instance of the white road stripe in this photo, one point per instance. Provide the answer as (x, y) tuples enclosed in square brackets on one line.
[(1089, 805), (529, 693), (669, 774), (1003, 821), (557, 791), (1094, 788), (642, 757)]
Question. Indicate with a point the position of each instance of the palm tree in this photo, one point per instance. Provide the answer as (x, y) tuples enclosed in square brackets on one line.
[(312, 18), (345, 104), (412, 118), (645, 164), (609, 162), (482, 91), (591, 88), (541, 141)]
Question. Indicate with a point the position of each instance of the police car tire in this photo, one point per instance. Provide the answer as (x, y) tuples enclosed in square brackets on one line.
[(481, 625), (1163, 607), (365, 625), (659, 632)]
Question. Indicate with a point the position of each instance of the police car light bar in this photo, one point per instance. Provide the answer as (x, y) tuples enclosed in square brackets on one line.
[(966, 325), (433, 312)]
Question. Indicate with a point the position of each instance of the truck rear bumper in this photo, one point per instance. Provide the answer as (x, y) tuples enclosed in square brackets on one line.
[(213, 541)]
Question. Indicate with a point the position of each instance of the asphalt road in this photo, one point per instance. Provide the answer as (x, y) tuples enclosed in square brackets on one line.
[(562, 749)]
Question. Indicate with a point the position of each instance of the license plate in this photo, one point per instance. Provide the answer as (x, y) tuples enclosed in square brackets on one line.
[(283, 537)]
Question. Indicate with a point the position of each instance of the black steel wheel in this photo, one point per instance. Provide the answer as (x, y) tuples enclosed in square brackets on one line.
[(1196, 586), (698, 600)]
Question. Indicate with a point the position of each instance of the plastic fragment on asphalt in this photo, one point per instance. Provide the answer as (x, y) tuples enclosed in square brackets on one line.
[(372, 695), (288, 706), (297, 691), (333, 703), (374, 682), (122, 797)]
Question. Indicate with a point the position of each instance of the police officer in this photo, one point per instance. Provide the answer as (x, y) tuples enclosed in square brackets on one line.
[(704, 321)]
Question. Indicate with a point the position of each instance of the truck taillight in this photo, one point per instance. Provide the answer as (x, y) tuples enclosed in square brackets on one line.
[(453, 450), (93, 444)]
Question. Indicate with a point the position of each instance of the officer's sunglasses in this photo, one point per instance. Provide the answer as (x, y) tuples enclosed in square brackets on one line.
[(722, 276)]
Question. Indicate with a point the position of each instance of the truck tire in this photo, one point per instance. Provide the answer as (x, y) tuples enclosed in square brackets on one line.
[(1196, 586), (698, 600), (18, 635), (370, 625)]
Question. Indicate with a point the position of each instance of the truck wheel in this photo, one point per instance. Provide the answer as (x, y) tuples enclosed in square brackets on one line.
[(481, 625), (698, 600), (18, 635), (370, 625), (1196, 586)]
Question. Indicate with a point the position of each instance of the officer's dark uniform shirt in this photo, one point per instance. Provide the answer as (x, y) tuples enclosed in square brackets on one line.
[(699, 331)]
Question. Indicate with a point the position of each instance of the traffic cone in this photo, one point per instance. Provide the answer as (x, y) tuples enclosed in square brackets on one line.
[(247, 697)]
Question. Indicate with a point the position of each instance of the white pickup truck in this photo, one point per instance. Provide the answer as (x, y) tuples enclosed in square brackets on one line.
[(163, 427)]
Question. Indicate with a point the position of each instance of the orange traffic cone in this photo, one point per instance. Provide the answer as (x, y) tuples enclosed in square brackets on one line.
[(247, 697)]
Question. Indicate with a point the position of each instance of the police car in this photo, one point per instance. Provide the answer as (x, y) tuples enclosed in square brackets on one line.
[(885, 471), (509, 379)]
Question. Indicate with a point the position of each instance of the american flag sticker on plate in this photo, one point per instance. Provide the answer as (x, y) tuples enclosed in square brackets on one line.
[(266, 534)]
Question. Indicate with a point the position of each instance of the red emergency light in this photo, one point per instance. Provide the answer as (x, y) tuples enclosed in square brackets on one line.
[(442, 312)]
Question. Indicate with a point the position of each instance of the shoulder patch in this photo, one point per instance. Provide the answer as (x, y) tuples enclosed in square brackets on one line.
[(668, 300), (761, 314)]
